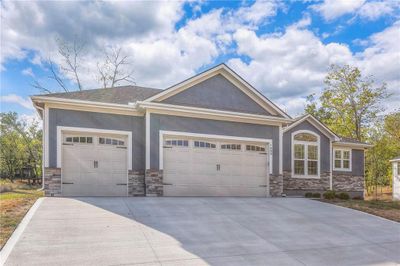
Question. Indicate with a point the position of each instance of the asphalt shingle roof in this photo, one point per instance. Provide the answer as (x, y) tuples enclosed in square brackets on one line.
[(119, 95)]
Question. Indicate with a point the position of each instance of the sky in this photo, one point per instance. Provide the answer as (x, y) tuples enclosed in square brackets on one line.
[(284, 49)]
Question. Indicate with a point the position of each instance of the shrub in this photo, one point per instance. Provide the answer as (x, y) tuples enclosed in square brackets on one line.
[(316, 195), (5, 188), (308, 195), (343, 196), (357, 198), (329, 195)]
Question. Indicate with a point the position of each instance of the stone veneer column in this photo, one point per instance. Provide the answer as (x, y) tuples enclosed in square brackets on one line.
[(154, 182), (136, 186), (275, 185), (52, 181)]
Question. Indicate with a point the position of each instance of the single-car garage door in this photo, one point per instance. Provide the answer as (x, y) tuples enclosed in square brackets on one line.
[(94, 165), (207, 167)]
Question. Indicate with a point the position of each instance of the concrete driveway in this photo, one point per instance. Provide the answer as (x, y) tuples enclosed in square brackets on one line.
[(203, 231)]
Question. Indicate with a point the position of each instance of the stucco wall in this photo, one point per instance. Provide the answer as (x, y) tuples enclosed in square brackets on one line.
[(70, 118), (287, 147), (205, 126), (217, 93)]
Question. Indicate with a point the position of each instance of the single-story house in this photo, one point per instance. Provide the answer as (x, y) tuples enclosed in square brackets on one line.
[(396, 178), (210, 135)]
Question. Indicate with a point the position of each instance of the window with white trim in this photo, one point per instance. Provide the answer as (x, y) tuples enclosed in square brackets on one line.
[(342, 159), (305, 155)]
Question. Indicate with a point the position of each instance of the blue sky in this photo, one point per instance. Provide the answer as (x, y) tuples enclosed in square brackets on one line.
[(282, 48)]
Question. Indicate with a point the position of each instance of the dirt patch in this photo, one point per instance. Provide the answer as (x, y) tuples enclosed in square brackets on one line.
[(384, 208)]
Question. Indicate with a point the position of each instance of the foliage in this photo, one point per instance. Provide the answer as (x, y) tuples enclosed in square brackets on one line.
[(308, 195), (343, 196), (21, 146), (349, 103), (316, 195), (329, 195), (357, 198)]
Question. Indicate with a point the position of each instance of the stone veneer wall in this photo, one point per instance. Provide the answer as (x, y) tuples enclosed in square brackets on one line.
[(275, 185), (154, 182), (348, 182), (136, 186), (52, 181), (299, 186)]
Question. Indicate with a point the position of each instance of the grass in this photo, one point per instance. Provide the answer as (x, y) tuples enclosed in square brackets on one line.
[(15, 201)]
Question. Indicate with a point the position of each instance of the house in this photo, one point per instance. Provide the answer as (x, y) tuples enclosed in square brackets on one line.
[(210, 135), (396, 178)]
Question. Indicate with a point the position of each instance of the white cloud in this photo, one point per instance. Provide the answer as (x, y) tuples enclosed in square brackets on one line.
[(331, 9), (30, 119), (28, 72), (371, 10), (16, 99)]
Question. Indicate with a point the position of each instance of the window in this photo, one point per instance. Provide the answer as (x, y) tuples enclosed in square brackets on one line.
[(342, 159), (231, 147), (305, 155), (76, 139), (111, 141), (203, 144), (255, 148), (179, 143)]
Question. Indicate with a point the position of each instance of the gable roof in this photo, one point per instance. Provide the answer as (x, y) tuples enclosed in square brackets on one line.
[(316, 123), (117, 95), (232, 76)]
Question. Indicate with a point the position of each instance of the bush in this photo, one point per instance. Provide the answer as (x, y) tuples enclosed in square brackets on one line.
[(308, 195), (316, 195), (357, 198), (329, 195), (343, 196)]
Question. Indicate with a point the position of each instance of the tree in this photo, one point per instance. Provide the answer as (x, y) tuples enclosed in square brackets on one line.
[(349, 102), (112, 70), (21, 145)]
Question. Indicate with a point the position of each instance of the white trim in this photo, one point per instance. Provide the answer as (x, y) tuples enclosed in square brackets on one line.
[(326, 131), (280, 150), (395, 160), (61, 129), (210, 136), (305, 154), (213, 113), (147, 140), (231, 76), (46, 133), (341, 169), (16, 235), (353, 145)]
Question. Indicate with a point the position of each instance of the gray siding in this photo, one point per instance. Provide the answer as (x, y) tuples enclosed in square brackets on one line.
[(69, 118), (357, 163), (287, 147), (217, 93), (205, 126)]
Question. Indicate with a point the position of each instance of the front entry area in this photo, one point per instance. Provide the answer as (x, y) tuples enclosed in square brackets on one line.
[(94, 164), (215, 167)]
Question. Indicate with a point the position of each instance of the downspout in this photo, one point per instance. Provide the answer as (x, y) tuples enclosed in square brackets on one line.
[(330, 165)]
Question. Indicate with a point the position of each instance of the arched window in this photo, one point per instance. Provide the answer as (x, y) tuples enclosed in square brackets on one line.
[(305, 154)]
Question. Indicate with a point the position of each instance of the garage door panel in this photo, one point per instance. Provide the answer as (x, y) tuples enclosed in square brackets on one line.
[(215, 171)]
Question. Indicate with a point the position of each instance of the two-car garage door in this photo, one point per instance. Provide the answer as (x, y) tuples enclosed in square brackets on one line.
[(207, 167)]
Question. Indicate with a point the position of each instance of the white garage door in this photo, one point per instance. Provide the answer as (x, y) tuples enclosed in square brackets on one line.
[(94, 165), (200, 167)]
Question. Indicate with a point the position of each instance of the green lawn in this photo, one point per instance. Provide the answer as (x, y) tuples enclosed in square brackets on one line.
[(13, 206)]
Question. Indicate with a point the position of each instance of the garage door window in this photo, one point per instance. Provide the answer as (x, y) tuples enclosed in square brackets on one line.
[(254, 148), (177, 142), (231, 147), (76, 139), (111, 141), (204, 144)]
